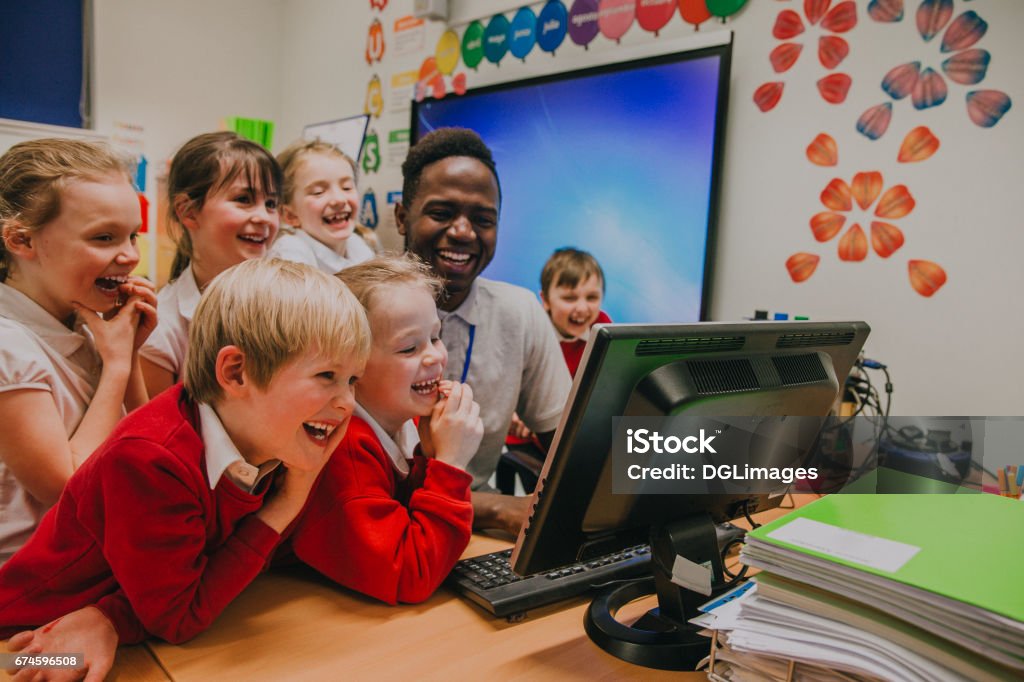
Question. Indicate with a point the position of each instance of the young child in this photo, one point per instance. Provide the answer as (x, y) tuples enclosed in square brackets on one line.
[(321, 205), (72, 319), (571, 291), (222, 197), (402, 513), (195, 492)]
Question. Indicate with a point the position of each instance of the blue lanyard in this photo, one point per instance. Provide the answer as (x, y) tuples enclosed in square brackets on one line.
[(469, 352)]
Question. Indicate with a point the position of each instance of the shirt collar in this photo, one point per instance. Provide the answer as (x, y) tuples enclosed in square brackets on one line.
[(17, 306), (400, 450), (223, 458), (188, 294), (468, 309)]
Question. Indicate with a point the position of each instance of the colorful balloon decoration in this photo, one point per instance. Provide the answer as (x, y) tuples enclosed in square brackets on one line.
[(375, 42), (473, 45), (496, 38), (446, 54), (653, 15), (552, 25), (522, 33), (614, 17), (694, 12), (725, 8), (583, 26), (374, 102)]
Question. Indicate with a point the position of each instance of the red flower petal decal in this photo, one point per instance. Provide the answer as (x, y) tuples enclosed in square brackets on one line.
[(930, 90), (886, 11), (784, 56), (866, 188), (932, 16), (802, 265), (832, 50), (854, 245), (873, 123), (925, 276), (768, 95), (837, 195), (823, 151), (787, 25), (815, 10), (919, 144), (966, 29), (967, 67), (986, 107), (900, 80), (833, 88), (842, 18), (886, 239), (895, 203), (826, 225)]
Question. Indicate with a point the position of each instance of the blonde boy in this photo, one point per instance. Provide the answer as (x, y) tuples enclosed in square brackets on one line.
[(194, 493)]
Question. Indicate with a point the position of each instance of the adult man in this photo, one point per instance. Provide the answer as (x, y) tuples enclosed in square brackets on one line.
[(499, 340)]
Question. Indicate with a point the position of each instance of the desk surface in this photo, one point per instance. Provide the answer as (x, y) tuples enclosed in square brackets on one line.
[(298, 624)]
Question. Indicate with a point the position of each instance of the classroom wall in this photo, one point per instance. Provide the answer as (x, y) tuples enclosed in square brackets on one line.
[(954, 352)]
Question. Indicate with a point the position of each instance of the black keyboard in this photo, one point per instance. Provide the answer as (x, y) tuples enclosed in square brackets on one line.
[(489, 582)]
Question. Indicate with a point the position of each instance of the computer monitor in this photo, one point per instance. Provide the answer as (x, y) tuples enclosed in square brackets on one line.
[(746, 369)]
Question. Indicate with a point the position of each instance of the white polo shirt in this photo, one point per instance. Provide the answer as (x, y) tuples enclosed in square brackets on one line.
[(222, 455), (300, 247), (501, 338), (175, 305), (37, 352)]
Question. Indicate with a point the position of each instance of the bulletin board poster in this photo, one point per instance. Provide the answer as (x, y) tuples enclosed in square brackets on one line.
[(345, 133)]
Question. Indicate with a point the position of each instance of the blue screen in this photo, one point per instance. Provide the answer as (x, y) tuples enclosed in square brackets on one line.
[(618, 163)]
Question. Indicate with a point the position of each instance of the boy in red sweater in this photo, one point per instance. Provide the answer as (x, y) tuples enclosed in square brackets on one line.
[(194, 493), (571, 291), (402, 512)]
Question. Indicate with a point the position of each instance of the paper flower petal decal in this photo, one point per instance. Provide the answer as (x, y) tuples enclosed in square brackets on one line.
[(854, 245), (925, 276), (886, 239), (986, 107), (873, 123), (919, 144), (932, 17), (930, 90), (841, 18), (895, 203), (768, 95), (826, 225), (815, 10), (784, 56), (886, 11), (837, 195), (787, 25), (966, 29), (967, 67), (802, 265), (866, 188), (832, 50), (823, 151), (834, 87), (900, 81)]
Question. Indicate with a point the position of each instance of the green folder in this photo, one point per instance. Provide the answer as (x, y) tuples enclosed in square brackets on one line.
[(971, 546)]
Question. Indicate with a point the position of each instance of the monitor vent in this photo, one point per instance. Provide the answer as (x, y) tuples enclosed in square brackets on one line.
[(799, 369), (722, 376), (815, 339), (689, 344)]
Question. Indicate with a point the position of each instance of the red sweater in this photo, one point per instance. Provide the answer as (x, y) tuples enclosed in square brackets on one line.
[(392, 539)]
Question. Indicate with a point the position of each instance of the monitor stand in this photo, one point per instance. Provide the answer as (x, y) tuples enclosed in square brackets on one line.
[(662, 638)]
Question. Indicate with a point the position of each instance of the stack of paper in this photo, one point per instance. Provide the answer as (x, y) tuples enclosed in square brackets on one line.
[(898, 587)]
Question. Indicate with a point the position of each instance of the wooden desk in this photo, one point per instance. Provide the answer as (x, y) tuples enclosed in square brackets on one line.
[(133, 664)]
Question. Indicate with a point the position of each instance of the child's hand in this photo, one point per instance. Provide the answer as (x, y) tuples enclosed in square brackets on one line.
[(118, 335), (517, 429), (453, 429), (86, 631), (141, 289)]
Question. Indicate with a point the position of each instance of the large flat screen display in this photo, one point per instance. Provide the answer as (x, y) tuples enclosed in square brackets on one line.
[(621, 160)]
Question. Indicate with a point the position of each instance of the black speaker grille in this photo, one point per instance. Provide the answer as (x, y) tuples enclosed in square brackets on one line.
[(799, 369), (722, 376), (685, 344), (815, 339)]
